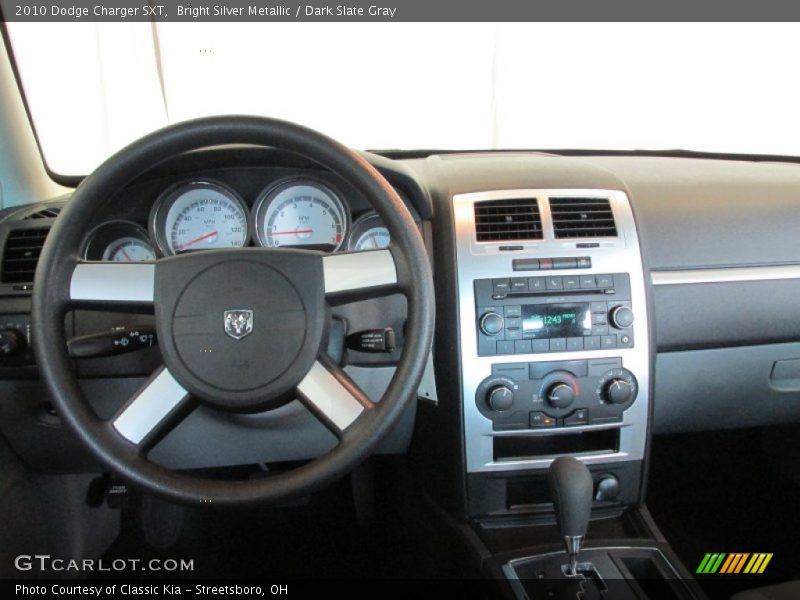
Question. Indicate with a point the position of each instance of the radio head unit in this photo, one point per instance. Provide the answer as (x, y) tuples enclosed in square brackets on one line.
[(528, 316)]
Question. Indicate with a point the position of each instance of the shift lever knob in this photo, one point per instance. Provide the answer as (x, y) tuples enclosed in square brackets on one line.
[(571, 491)]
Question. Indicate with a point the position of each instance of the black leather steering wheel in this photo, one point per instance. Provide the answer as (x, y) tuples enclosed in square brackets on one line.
[(204, 301)]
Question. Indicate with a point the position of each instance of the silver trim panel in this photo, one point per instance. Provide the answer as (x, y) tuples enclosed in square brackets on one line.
[(484, 260), (113, 282), (159, 396), (725, 275), (323, 390), (351, 271)]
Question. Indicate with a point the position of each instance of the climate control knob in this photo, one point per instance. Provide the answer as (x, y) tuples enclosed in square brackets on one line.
[(619, 391), (12, 342), (621, 317), (500, 398), (618, 386), (492, 323), (560, 395)]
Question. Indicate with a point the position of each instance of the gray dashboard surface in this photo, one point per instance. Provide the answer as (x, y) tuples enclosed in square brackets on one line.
[(696, 213)]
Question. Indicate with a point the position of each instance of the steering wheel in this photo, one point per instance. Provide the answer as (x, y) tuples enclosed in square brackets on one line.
[(240, 330)]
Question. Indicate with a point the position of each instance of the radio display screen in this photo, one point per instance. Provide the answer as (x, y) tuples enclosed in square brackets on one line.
[(556, 320)]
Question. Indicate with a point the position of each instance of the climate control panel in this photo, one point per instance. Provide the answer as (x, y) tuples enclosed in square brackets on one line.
[(554, 394)]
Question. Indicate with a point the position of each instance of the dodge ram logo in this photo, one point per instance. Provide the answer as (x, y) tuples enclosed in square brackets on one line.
[(238, 323)]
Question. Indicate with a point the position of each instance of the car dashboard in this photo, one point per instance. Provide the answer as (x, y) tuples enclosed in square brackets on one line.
[(584, 304)]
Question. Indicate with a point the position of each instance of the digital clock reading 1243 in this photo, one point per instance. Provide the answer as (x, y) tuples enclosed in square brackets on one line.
[(556, 320)]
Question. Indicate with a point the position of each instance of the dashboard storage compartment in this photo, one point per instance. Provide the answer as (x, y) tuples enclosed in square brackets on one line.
[(526, 447)]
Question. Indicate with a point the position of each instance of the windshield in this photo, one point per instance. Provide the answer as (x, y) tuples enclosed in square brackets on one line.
[(92, 88)]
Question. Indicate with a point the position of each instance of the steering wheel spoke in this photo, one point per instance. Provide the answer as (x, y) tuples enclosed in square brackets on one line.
[(105, 285), (329, 393), (358, 275), (155, 409)]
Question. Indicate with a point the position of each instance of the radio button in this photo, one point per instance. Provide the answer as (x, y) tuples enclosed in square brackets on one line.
[(514, 333), (599, 307), (588, 282), (536, 284), (541, 345), (591, 342), (599, 319), (599, 329), (491, 323), (584, 262), (512, 312), (608, 341), (505, 347), (486, 347), (571, 282), (605, 281), (519, 284), (626, 340), (574, 343), (554, 283), (500, 287), (558, 344), (522, 347)]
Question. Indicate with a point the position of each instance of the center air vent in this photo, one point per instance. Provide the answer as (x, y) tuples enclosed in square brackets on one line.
[(22, 250), (504, 220), (582, 218)]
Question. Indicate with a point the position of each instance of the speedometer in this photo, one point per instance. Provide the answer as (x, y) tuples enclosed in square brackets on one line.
[(199, 216), (300, 213)]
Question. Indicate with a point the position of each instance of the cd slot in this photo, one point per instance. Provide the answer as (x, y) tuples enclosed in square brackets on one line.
[(512, 295)]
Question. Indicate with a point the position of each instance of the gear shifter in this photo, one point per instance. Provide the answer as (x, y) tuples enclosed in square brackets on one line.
[(571, 491)]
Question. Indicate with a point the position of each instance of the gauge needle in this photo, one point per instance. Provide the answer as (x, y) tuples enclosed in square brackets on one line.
[(292, 231), (197, 239), (126, 255), (374, 240)]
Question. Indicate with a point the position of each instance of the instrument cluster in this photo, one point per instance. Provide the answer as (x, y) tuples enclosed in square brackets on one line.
[(204, 214)]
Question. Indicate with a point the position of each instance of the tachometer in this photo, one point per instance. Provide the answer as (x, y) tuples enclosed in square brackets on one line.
[(199, 216), (300, 213), (369, 233)]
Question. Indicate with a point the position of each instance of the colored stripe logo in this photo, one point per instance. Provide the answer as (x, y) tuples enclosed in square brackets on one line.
[(735, 562)]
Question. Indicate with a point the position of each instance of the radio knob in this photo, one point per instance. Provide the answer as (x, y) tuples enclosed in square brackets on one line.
[(500, 398), (621, 317), (619, 391), (560, 395), (492, 323), (12, 342)]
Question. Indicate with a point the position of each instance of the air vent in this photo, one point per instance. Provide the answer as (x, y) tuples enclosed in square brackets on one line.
[(23, 247), (45, 213), (582, 218), (503, 220)]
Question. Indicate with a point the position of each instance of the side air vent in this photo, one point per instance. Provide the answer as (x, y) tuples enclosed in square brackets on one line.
[(504, 220), (50, 212), (582, 218), (21, 254)]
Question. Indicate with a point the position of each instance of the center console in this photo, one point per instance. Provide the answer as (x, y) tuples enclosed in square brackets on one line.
[(555, 366), (554, 342)]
